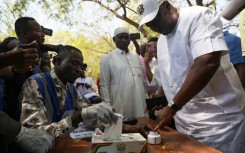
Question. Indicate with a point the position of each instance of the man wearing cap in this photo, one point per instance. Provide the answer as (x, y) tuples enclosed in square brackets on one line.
[(121, 80), (205, 95)]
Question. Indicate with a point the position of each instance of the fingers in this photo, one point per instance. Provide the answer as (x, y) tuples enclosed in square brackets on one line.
[(164, 120), (31, 45), (156, 128), (102, 111), (157, 108), (29, 50), (114, 118), (154, 108), (103, 119), (25, 55), (108, 116), (30, 54)]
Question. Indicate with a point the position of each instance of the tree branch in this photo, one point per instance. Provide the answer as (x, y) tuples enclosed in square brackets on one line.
[(122, 17), (189, 3), (199, 2)]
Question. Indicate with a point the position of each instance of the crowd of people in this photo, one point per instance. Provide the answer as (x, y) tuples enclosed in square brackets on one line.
[(196, 65)]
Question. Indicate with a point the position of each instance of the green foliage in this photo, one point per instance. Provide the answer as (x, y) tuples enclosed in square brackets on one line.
[(93, 50), (90, 37)]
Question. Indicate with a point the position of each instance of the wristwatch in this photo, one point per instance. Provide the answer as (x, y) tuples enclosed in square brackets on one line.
[(172, 105)]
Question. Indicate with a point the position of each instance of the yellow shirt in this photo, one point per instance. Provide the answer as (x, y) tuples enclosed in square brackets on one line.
[(242, 30)]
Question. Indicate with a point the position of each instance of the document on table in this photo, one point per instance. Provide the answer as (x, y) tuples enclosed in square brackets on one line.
[(83, 131)]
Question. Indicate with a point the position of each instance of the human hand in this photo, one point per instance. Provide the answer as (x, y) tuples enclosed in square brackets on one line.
[(154, 95), (23, 56), (102, 112), (87, 85), (34, 140), (19, 70), (147, 56), (79, 84), (164, 117)]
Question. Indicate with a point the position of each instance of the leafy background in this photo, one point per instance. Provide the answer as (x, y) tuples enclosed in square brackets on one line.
[(88, 24)]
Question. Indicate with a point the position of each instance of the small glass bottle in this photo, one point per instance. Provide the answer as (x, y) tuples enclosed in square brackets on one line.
[(154, 138)]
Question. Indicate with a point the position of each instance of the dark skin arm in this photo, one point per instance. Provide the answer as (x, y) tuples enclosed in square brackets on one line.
[(149, 74), (197, 78), (159, 93), (6, 73), (137, 47), (17, 60), (9, 130), (76, 118), (21, 56)]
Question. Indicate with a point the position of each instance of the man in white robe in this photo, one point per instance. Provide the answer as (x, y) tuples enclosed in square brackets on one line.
[(121, 79)]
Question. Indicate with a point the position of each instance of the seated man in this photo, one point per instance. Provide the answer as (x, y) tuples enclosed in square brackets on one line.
[(86, 87), (49, 98)]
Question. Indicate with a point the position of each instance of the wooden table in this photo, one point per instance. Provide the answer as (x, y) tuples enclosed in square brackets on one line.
[(172, 142)]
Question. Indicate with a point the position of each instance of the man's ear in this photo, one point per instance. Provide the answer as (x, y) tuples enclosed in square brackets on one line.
[(56, 60)]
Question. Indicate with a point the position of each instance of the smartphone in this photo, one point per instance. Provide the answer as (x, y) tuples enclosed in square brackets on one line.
[(134, 36), (47, 31)]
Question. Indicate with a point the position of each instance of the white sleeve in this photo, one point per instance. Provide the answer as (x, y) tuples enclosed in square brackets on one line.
[(105, 79), (206, 34), (93, 84), (76, 81)]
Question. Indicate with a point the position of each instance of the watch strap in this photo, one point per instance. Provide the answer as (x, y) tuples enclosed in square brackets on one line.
[(172, 105)]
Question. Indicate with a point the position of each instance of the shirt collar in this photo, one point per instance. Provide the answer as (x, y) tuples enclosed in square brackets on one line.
[(57, 81), (118, 50)]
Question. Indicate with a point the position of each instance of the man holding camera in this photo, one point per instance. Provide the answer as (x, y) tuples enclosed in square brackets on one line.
[(13, 136), (121, 79), (27, 30)]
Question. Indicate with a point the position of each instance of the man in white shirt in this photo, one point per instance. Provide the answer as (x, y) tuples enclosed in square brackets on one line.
[(121, 80), (196, 75), (85, 85)]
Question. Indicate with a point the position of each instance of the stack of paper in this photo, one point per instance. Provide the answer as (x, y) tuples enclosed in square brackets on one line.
[(83, 131)]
